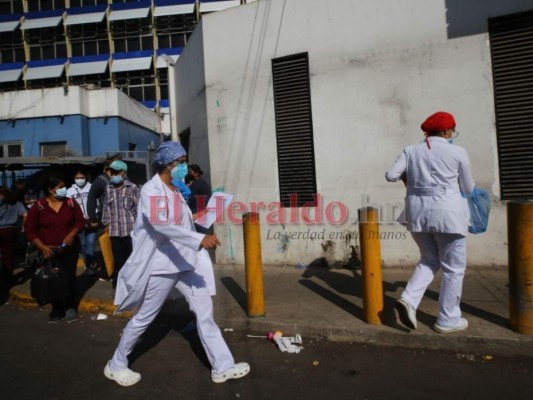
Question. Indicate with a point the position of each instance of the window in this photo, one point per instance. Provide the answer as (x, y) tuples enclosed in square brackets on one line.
[(172, 30), (511, 41), (11, 47), (46, 43), (163, 82), (294, 129), (54, 149), (11, 149), (88, 39), (10, 7), (132, 35), (131, 149), (45, 5), (139, 85), (82, 3), (91, 80)]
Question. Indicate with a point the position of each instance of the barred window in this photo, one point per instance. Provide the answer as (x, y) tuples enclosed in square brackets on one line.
[(294, 129), (511, 40)]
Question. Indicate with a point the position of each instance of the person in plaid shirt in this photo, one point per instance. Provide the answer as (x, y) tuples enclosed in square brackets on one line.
[(119, 214)]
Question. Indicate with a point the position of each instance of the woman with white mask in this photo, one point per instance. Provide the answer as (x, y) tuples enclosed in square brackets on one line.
[(79, 191)]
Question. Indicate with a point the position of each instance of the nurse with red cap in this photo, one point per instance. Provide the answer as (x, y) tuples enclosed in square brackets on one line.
[(436, 174)]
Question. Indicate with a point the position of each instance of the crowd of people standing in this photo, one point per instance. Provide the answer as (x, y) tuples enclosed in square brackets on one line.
[(65, 224)]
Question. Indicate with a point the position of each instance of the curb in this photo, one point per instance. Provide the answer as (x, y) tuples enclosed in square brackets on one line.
[(373, 335), (88, 306), (385, 336)]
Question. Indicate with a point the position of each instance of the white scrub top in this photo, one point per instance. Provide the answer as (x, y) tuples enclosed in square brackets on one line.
[(436, 177)]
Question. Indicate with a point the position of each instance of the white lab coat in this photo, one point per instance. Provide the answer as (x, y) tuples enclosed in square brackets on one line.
[(164, 242), (436, 178), (437, 216)]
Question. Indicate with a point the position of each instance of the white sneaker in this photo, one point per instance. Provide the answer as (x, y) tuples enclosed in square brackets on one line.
[(406, 313), (125, 377), (460, 326), (237, 371)]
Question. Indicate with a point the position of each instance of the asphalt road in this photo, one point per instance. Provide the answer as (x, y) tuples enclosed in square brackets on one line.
[(62, 361)]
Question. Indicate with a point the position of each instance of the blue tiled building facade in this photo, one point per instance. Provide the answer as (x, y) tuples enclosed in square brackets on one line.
[(98, 43)]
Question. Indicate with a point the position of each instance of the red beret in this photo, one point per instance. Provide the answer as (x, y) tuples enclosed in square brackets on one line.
[(440, 121)]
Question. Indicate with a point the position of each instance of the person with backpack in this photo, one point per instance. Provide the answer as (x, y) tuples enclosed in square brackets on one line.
[(95, 197), (79, 191), (52, 226), (95, 203)]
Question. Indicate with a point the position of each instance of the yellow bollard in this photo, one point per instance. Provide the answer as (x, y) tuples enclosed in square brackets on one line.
[(371, 265), (520, 239), (253, 265)]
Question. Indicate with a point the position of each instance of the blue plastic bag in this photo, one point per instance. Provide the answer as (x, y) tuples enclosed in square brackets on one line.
[(479, 205), (183, 188)]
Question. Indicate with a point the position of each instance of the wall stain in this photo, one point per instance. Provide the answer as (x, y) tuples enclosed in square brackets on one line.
[(283, 243)]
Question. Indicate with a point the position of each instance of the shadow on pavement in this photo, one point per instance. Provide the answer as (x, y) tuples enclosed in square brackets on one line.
[(83, 283), (475, 311), (175, 316), (236, 291), (333, 298), (346, 285)]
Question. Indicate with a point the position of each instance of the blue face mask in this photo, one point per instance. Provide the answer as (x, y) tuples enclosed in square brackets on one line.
[(117, 179), (61, 193), (179, 171), (454, 136)]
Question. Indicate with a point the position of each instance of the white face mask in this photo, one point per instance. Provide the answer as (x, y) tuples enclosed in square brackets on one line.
[(61, 193), (80, 182)]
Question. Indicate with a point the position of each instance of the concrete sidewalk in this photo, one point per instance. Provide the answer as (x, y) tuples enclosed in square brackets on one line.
[(327, 303)]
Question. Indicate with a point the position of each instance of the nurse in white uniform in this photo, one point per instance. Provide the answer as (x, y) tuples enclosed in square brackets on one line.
[(436, 174), (167, 253)]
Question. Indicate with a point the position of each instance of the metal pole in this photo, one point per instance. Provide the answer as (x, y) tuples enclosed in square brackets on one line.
[(371, 265), (253, 265), (520, 238)]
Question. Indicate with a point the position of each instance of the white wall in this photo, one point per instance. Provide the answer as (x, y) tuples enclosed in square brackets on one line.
[(91, 103), (191, 107), (378, 69)]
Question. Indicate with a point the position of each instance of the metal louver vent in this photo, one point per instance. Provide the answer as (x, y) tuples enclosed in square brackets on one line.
[(294, 129), (511, 39)]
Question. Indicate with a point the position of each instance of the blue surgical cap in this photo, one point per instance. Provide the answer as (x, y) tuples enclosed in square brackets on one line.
[(119, 165), (167, 152)]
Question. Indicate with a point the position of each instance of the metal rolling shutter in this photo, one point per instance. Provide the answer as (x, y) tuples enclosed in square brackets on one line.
[(294, 128), (511, 39)]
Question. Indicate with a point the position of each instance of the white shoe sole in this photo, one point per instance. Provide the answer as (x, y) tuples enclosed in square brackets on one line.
[(402, 308), (450, 329), (240, 370), (123, 378)]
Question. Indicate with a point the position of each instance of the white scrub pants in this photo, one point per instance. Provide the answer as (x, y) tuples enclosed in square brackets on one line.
[(159, 286), (447, 252)]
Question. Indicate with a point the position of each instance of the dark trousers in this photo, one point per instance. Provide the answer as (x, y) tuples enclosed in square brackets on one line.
[(8, 239), (121, 246), (67, 265)]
